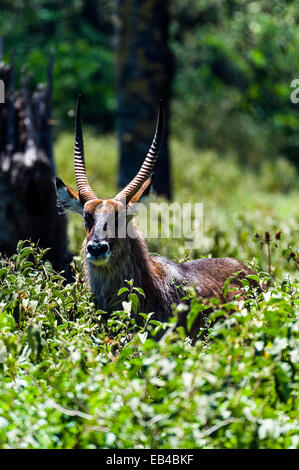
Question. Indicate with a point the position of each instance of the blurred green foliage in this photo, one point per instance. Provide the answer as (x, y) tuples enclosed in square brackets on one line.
[(235, 63), (235, 60), (80, 32)]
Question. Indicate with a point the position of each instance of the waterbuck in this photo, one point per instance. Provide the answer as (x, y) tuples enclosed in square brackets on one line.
[(110, 260)]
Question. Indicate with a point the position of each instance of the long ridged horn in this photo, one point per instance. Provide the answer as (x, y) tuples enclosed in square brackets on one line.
[(147, 167), (85, 191)]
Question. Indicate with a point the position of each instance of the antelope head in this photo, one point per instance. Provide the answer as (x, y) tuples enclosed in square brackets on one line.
[(101, 216)]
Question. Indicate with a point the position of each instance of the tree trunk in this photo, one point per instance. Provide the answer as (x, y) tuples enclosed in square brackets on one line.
[(144, 73), (27, 195)]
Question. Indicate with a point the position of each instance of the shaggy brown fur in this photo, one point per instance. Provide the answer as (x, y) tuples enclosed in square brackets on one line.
[(161, 279)]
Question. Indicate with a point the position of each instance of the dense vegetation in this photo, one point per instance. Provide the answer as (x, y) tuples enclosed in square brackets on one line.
[(71, 378)]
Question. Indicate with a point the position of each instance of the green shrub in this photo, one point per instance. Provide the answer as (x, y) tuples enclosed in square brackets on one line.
[(71, 378)]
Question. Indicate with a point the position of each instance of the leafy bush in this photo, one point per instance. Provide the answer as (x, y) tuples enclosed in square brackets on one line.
[(71, 378)]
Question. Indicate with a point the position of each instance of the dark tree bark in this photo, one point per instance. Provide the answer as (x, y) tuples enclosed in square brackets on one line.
[(27, 195), (144, 73)]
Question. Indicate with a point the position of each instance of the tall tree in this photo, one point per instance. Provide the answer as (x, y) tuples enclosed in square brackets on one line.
[(144, 74)]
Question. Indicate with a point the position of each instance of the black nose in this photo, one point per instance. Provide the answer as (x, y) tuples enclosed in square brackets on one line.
[(97, 249)]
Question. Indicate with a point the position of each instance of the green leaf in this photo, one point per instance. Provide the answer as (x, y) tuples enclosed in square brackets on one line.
[(135, 302), (122, 290), (7, 321), (254, 277), (226, 285), (139, 290)]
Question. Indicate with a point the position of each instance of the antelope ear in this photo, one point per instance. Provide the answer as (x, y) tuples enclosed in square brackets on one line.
[(143, 191), (67, 198)]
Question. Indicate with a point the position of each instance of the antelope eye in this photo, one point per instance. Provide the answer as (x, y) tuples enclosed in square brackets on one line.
[(105, 227), (88, 221)]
